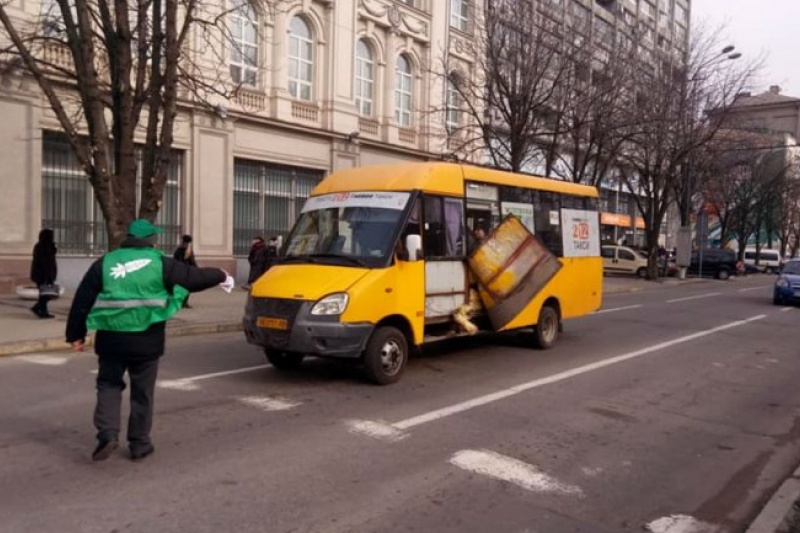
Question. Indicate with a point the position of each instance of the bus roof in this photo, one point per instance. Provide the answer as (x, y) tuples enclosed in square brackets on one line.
[(438, 178)]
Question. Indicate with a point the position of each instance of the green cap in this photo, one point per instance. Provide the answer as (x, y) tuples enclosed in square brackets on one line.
[(141, 229)]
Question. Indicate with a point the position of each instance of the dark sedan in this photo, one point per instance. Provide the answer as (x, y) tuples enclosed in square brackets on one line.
[(787, 287)]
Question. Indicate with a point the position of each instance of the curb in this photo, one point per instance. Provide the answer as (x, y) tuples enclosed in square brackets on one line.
[(58, 344), (780, 509)]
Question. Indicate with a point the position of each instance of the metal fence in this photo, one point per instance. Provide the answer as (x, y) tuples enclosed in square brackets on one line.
[(70, 209), (267, 198)]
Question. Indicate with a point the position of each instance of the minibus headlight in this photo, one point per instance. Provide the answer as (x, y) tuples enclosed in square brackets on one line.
[(782, 283), (333, 304)]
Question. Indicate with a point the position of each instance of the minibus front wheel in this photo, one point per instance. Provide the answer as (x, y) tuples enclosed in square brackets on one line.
[(283, 360), (386, 355)]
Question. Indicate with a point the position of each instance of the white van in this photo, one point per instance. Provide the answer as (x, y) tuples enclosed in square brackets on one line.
[(768, 260), (623, 260)]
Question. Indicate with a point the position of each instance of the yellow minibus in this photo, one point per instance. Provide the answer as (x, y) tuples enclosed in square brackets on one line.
[(379, 263)]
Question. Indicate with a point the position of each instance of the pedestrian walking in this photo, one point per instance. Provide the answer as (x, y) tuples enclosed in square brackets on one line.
[(127, 296), (44, 271), (258, 260), (185, 254)]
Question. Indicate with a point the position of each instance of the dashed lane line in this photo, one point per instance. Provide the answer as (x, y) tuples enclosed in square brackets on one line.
[(508, 469), (190, 383), (268, 403), (615, 309), (698, 297), (760, 287)]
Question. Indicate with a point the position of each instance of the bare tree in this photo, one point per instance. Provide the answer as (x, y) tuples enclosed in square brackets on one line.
[(512, 101), (671, 121), (109, 68)]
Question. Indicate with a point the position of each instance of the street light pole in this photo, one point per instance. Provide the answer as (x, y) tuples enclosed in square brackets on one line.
[(687, 106)]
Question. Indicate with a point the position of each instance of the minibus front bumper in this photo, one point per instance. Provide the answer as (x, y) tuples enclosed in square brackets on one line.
[(288, 325)]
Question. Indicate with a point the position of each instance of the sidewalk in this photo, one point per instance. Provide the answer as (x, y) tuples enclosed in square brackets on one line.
[(212, 311)]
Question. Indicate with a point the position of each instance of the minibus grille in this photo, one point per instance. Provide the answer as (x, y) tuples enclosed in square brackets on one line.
[(277, 308)]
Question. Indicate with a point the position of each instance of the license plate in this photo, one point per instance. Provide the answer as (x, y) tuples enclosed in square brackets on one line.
[(272, 323)]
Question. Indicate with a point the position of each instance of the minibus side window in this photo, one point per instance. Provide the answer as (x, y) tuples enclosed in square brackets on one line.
[(443, 227), (547, 216)]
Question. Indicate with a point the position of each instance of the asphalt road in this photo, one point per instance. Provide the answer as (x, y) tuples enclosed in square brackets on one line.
[(672, 409)]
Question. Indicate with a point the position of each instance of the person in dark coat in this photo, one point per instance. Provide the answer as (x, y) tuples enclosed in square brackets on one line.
[(127, 295), (272, 252), (44, 270), (185, 254), (258, 259)]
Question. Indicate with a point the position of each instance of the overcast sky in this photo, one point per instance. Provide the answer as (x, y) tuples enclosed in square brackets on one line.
[(771, 27)]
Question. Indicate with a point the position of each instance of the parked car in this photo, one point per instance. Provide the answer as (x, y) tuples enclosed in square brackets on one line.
[(768, 260), (787, 286), (718, 263), (623, 260)]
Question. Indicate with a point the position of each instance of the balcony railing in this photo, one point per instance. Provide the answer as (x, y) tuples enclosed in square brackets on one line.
[(250, 100), (407, 135), (368, 126), (305, 111), (57, 54)]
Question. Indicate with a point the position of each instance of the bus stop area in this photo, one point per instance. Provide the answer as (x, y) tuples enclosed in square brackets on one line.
[(212, 311)]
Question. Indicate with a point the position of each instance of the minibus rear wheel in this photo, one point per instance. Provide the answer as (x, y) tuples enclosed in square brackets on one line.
[(547, 328), (386, 355), (283, 360)]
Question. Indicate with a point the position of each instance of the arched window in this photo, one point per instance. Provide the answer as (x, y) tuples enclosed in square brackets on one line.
[(301, 59), (243, 22), (365, 78), (453, 114), (403, 91)]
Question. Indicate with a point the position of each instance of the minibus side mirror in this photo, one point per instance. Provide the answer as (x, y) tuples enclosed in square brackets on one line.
[(414, 247)]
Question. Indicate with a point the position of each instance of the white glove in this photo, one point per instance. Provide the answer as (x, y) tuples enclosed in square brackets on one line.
[(228, 284)]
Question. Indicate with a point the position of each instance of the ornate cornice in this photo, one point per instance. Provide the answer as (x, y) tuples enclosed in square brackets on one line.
[(395, 18)]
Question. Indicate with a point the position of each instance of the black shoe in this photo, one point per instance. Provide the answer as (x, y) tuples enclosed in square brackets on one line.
[(140, 453), (104, 450), (36, 311)]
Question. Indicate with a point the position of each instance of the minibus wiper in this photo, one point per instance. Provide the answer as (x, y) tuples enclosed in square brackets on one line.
[(353, 260), (304, 258)]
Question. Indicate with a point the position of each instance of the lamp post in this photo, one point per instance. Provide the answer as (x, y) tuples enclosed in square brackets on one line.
[(688, 112)]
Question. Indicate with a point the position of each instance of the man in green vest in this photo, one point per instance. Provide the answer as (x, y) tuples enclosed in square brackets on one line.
[(127, 296)]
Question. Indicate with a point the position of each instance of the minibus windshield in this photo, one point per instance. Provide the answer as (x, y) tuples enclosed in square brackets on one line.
[(356, 228)]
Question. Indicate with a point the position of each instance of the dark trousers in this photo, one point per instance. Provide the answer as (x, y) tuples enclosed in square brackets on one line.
[(110, 384), (41, 305)]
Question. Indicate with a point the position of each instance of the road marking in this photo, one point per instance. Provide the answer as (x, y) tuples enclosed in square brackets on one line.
[(378, 429), (615, 309), (511, 470), (188, 384), (266, 403), (679, 524), (755, 288), (787, 308), (709, 295), (39, 359)]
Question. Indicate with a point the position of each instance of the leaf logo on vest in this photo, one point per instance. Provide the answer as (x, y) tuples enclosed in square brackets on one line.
[(120, 270)]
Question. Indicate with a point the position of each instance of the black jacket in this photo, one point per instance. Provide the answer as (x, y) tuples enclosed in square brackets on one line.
[(43, 267), (259, 261), (180, 255), (147, 344)]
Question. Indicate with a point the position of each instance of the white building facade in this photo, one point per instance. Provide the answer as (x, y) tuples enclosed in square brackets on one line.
[(321, 85)]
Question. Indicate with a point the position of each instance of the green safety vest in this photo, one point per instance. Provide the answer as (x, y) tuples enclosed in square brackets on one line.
[(134, 296)]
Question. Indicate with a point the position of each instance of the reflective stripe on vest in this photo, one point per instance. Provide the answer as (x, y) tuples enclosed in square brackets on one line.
[(130, 304)]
